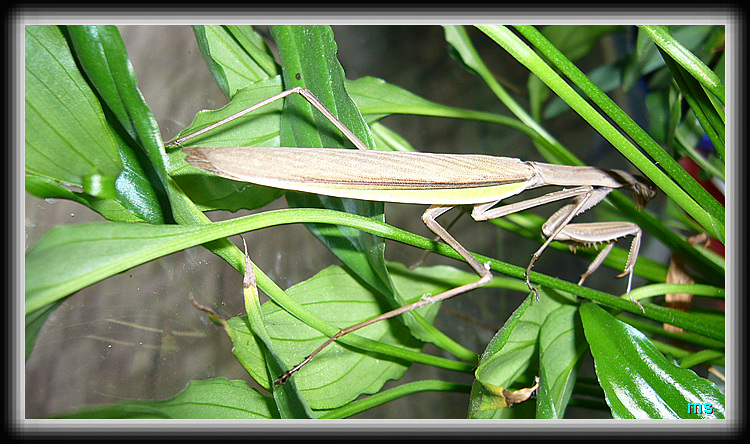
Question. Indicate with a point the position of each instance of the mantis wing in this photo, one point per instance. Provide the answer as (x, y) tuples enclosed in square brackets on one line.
[(404, 177)]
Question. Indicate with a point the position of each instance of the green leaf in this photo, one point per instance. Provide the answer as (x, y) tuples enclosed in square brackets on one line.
[(507, 356), (236, 56), (111, 209), (45, 188), (638, 381), (101, 250), (210, 192), (561, 346), (310, 54), (67, 137), (697, 69), (511, 350), (546, 330), (260, 128), (111, 73), (104, 59), (115, 247), (217, 398), (340, 373)]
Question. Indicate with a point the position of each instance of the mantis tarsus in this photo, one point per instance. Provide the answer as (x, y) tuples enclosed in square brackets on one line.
[(439, 180)]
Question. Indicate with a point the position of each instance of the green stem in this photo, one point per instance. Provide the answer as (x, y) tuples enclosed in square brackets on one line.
[(395, 393), (712, 329)]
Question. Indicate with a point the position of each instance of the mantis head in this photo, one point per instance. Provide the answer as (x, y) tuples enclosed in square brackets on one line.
[(641, 188)]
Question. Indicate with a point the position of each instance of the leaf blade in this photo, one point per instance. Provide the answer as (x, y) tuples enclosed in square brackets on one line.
[(637, 379), (218, 398)]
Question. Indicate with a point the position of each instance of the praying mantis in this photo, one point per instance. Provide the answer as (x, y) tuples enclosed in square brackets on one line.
[(439, 180)]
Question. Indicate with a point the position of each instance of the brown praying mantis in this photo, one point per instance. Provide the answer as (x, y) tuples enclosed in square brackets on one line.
[(439, 180)]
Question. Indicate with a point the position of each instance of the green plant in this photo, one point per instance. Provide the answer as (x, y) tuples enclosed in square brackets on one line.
[(124, 152)]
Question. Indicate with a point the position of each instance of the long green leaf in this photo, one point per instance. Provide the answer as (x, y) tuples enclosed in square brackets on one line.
[(115, 247), (289, 400), (664, 39), (109, 69), (63, 116), (308, 57), (104, 59)]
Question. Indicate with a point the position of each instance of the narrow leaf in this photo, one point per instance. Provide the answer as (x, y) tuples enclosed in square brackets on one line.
[(664, 39), (288, 398)]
